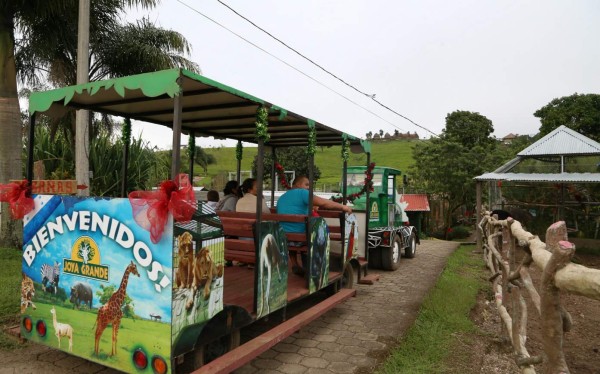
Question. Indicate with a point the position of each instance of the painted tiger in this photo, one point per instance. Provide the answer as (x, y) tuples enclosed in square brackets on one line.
[(27, 293), (50, 275)]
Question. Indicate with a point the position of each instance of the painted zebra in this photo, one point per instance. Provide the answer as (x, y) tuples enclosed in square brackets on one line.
[(50, 277)]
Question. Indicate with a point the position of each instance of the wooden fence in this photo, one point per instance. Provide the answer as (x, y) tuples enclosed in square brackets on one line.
[(503, 242)]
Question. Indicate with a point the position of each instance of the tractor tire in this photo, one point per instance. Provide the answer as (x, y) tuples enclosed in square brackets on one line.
[(390, 256), (411, 250)]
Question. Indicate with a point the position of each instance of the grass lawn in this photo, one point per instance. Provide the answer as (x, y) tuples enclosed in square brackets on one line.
[(10, 293), (443, 317), (396, 154)]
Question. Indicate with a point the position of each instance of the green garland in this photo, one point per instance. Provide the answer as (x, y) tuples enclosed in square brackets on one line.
[(311, 148), (345, 148), (239, 150), (262, 124), (126, 131)]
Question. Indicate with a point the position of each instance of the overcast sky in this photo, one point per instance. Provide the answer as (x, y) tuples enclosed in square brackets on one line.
[(425, 59)]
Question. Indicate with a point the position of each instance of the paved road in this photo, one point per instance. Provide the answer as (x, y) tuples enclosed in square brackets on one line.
[(350, 338)]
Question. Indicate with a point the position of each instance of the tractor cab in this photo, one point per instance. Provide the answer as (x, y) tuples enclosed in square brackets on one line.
[(384, 202)]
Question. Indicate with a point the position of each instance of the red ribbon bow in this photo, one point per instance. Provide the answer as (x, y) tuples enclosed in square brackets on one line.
[(151, 208), (18, 195)]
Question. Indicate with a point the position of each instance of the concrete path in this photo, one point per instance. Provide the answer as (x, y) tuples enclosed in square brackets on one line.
[(351, 338)]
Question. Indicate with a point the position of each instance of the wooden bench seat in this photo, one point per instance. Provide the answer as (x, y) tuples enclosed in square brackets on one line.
[(241, 224)]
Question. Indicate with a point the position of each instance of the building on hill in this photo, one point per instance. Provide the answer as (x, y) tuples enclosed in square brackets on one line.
[(508, 139), (396, 136)]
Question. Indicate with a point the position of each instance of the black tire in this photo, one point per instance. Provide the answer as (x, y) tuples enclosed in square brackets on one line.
[(411, 250), (208, 352), (375, 258), (390, 256)]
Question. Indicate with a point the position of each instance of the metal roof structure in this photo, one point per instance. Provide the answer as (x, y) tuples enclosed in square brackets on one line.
[(208, 108), (415, 202), (560, 143)]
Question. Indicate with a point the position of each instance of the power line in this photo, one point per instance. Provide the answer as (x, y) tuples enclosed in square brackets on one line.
[(371, 96), (289, 65)]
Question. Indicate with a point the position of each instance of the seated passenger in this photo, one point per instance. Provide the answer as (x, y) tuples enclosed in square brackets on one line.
[(248, 202), (230, 198), (212, 199), (295, 201)]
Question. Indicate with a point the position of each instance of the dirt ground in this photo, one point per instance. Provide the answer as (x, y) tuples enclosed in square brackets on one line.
[(488, 353)]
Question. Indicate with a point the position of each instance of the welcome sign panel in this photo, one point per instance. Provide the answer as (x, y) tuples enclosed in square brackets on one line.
[(89, 270)]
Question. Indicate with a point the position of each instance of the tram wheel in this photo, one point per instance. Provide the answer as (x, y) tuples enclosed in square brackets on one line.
[(217, 348)]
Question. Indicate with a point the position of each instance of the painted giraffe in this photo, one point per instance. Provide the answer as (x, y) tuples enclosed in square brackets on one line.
[(111, 313)]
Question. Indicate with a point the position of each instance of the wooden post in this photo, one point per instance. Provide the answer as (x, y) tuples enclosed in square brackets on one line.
[(31, 142), (367, 213), (192, 140), (177, 107), (82, 117), (238, 173), (273, 176), (478, 215), (124, 169)]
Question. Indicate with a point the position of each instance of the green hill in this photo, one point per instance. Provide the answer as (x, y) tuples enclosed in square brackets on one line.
[(393, 153)]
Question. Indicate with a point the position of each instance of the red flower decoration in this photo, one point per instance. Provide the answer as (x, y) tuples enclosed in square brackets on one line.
[(281, 173), (151, 208), (18, 196)]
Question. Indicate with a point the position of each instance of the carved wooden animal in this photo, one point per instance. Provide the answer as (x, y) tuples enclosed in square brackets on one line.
[(186, 261), (111, 313), (62, 329)]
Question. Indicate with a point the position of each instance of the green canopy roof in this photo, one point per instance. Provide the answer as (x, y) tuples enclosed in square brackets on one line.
[(209, 108)]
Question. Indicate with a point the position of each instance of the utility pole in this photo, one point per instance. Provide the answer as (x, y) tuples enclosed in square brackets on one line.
[(82, 117)]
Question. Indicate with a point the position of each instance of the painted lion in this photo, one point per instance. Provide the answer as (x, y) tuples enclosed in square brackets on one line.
[(205, 271), (185, 268)]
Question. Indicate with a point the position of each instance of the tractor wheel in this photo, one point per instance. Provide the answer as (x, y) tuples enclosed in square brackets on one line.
[(390, 256), (409, 252), (208, 352)]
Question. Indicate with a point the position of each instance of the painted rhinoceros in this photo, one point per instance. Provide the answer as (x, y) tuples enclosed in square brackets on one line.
[(81, 292)]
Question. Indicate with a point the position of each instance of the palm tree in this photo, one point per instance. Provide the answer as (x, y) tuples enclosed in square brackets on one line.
[(47, 50)]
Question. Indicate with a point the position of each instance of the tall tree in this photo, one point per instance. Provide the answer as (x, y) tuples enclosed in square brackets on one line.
[(47, 50), (469, 129), (445, 166), (580, 112)]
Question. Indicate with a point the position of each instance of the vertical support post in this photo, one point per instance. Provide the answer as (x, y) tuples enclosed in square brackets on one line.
[(177, 108), (345, 182), (192, 141), (124, 169), (82, 117), (311, 190), (30, 148), (259, 179), (273, 176), (478, 214), (259, 196), (238, 174), (367, 213)]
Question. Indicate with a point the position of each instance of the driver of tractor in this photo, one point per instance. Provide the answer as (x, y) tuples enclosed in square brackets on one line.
[(295, 201)]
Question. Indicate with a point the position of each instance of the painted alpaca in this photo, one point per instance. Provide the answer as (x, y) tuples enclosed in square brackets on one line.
[(62, 329), (111, 313)]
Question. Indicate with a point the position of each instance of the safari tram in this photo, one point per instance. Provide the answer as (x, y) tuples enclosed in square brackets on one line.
[(140, 282)]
